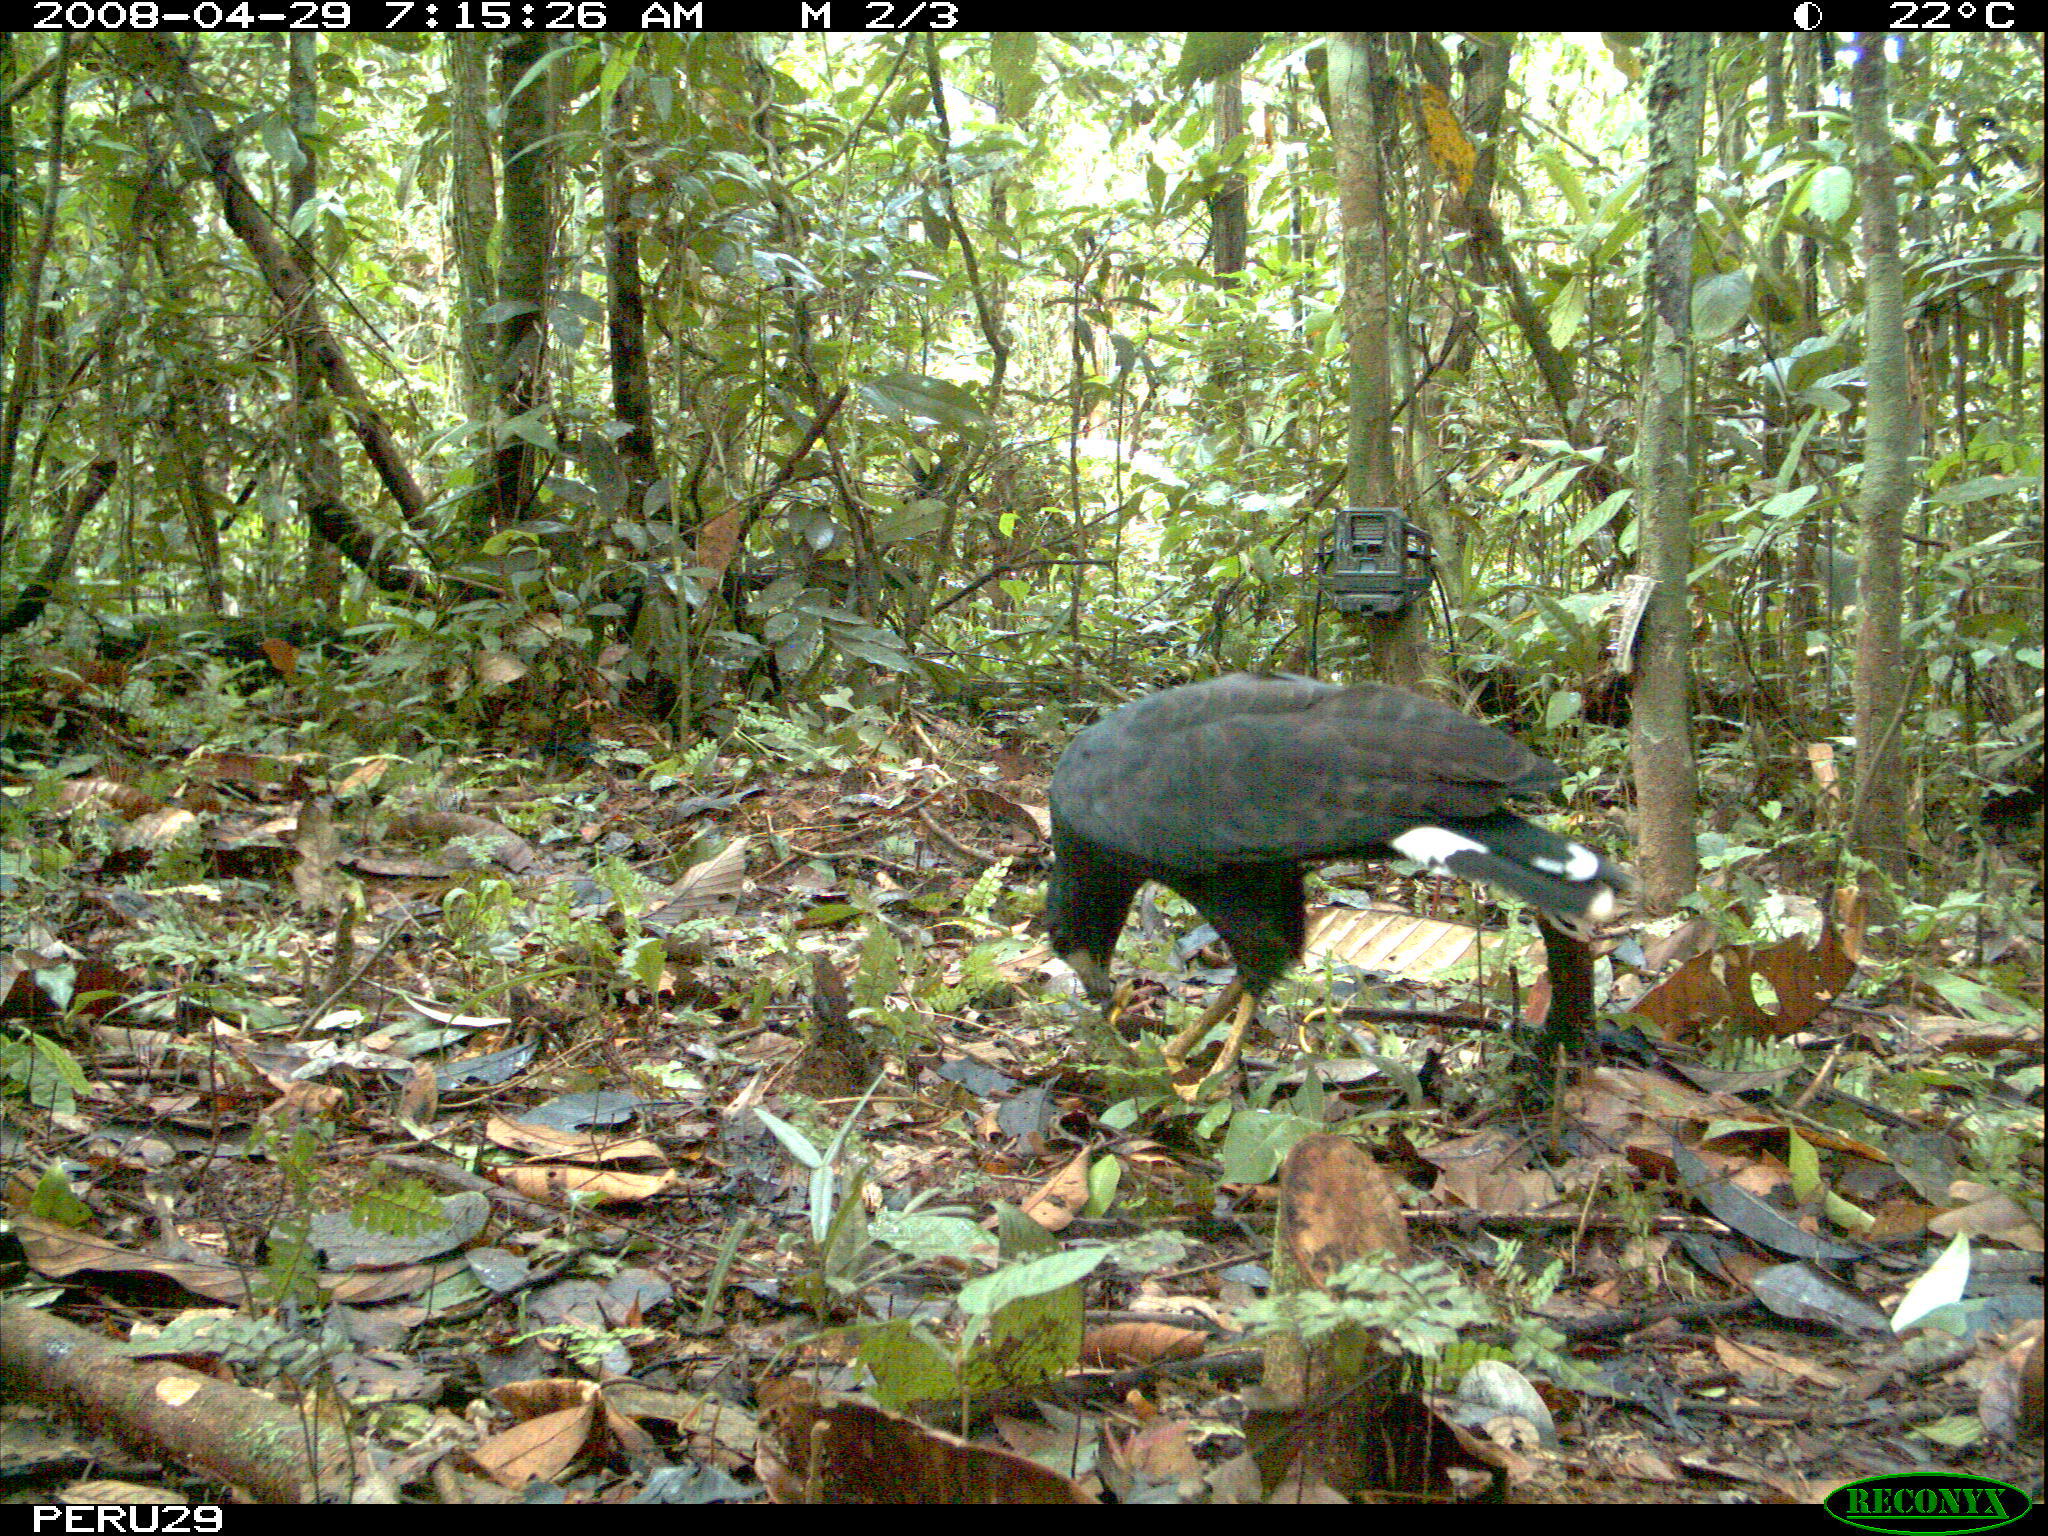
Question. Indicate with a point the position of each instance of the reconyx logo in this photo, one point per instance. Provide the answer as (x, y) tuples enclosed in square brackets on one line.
[(1947, 1503)]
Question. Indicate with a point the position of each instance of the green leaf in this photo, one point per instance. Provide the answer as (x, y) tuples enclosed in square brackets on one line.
[(1566, 180), (828, 914), (1568, 312), (1984, 486), (879, 646), (1256, 1142), (54, 1077), (57, 983), (1830, 193), (1569, 628), (54, 1201), (913, 394), (990, 1293), (919, 1236), (1019, 1238), (1803, 1162), (1788, 503), (1846, 1215), (909, 1365), (1013, 60), (1564, 705), (793, 1140), (1104, 1175), (1719, 304), (913, 520), (643, 960), (1031, 1340), (1593, 519), (532, 427), (617, 66), (1206, 56), (1974, 1000)]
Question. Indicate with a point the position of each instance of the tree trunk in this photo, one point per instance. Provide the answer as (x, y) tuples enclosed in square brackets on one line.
[(1660, 723)]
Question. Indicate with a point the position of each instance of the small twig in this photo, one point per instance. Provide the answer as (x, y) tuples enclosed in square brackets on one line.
[(843, 840), (339, 976), (952, 844)]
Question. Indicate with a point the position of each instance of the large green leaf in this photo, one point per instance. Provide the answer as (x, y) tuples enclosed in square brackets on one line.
[(1040, 1277), (913, 394), (912, 520), (1718, 305), (1830, 193), (1013, 60), (909, 1364), (1206, 56)]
